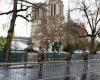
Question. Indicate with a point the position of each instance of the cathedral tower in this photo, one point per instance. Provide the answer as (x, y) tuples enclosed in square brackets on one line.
[(50, 21)]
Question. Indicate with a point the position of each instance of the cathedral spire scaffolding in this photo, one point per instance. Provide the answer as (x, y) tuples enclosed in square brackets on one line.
[(68, 15)]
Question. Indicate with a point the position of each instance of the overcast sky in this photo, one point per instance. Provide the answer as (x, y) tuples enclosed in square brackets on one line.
[(22, 27)]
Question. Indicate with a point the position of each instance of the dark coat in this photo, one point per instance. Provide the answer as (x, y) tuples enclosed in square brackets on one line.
[(85, 56), (68, 56), (40, 56)]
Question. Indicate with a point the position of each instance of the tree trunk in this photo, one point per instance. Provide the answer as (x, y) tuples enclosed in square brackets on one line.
[(93, 45), (11, 29)]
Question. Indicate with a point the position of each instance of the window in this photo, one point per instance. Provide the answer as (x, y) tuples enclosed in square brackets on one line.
[(51, 10), (54, 9)]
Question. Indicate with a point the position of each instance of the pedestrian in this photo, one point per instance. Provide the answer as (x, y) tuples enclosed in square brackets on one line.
[(8, 57), (85, 70), (46, 54), (68, 57), (85, 55), (7, 60), (40, 59), (40, 55), (25, 56)]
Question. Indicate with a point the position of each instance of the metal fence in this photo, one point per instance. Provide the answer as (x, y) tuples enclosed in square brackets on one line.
[(52, 70)]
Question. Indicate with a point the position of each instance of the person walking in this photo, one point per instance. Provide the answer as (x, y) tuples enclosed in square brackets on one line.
[(68, 58), (85, 70), (40, 59), (25, 56)]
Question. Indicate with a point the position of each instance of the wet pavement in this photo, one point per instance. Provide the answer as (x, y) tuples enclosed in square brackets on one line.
[(18, 74), (51, 71)]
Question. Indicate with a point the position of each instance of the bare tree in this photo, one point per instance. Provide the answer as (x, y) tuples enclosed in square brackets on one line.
[(15, 12), (91, 13), (71, 39)]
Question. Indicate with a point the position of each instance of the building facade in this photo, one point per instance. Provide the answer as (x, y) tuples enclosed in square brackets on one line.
[(48, 22)]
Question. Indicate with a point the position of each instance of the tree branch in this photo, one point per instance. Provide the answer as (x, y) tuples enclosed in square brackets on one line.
[(9, 12), (97, 32), (33, 5), (23, 17), (81, 28), (79, 34), (23, 9), (96, 17), (87, 17), (97, 21), (92, 22)]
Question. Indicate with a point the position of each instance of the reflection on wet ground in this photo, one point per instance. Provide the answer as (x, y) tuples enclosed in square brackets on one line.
[(52, 71)]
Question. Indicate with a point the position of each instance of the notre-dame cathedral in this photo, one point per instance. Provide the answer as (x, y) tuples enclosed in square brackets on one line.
[(49, 25), (48, 21)]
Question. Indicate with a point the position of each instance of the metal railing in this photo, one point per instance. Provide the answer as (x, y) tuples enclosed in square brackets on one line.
[(51, 70)]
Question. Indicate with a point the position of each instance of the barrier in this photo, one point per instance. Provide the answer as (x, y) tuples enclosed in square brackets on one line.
[(15, 56), (51, 70)]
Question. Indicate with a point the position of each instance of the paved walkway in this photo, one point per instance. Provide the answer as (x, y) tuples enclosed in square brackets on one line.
[(51, 71)]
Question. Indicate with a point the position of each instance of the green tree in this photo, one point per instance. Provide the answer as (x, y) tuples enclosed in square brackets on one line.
[(2, 42)]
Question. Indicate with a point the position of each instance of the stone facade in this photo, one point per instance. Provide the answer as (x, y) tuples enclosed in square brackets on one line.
[(48, 21)]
